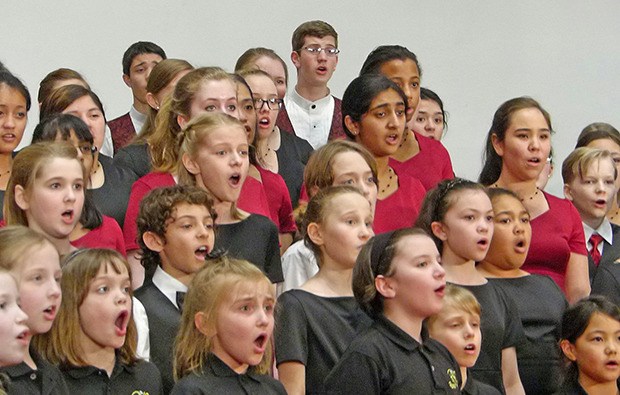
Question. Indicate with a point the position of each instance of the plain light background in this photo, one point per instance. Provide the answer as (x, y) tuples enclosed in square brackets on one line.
[(474, 54)]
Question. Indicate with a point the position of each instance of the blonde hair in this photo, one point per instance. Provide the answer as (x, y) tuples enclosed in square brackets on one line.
[(164, 140), (16, 242), (162, 74), (192, 142), (27, 167), (248, 60), (61, 345), (577, 162), (457, 298), (206, 292)]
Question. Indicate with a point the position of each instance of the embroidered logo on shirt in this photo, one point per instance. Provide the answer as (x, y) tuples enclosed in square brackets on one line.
[(139, 392), (453, 383)]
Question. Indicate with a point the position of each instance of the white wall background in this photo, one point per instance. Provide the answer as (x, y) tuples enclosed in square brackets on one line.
[(474, 54)]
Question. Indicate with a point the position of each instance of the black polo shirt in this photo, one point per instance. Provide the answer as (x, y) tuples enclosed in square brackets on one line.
[(219, 378), (142, 378), (475, 387), (384, 359), (45, 380)]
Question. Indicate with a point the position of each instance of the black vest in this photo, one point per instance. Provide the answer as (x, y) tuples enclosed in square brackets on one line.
[(164, 321)]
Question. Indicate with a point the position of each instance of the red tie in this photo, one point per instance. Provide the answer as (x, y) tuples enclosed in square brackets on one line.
[(595, 240)]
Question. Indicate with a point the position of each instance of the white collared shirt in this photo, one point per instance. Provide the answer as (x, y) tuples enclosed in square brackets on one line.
[(168, 285), (312, 121), (137, 119), (604, 230)]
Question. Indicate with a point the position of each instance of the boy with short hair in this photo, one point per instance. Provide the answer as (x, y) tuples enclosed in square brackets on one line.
[(457, 327), (176, 231), (589, 182), (310, 111), (138, 61)]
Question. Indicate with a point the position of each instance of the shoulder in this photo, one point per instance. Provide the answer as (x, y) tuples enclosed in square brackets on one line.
[(260, 221), (156, 179), (430, 144)]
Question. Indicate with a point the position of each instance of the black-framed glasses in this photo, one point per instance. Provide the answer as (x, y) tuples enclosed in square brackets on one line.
[(273, 103), (316, 50)]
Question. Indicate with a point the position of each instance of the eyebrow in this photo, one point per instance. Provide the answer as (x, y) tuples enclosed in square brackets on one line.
[(191, 217), (530, 129), (382, 105)]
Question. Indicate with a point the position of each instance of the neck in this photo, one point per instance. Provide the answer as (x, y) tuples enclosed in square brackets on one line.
[(488, 269), (523, 189), (595, 388), (28, 358), (408, 148), (463, 376), (6, 159), (382, 165), (459, 270), (336, 278), (143, 108), (311, 92), (63, 246), (594, 223), (412, 325), (223, 212), (97, 356)]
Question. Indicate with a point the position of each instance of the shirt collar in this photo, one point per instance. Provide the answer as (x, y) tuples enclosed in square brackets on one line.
[(137, 118), (22, 369), (395, 334), (306, 104), (168, 285), (80, 372), (220, 369), (604, 230)]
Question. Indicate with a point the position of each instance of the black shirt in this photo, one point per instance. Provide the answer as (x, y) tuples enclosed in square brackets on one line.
[(113, 196), (293, 155), (45, 380), (135, 158), (254, 239), (219, 378), (475, 387), (143, 376), (386, 360)]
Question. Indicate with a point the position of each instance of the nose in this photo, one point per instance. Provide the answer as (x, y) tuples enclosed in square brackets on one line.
[(9, 122), (439, 271), (366, 232), (468, 332), (262, 319), (393, 120), (54, 289), (483, 225), (430, 125), (121, 297), (612, 347), (70, 194), (21, 316), (264, 107), (534, 143), (322, 55)]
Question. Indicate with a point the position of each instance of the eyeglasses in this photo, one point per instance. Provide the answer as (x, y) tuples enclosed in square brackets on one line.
[(316, 50), (273, 103), (87, 149)]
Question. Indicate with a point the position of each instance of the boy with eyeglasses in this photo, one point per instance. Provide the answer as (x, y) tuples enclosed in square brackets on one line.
[(309, 110)]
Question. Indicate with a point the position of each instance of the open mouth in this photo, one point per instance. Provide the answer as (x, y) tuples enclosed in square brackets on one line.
[(612, 364), (440, 291), (235, 179), (121, 322), (50, 313), (67, 216), (264, 122), (393, 138), (261, 342), (201, 253), (322, 69), (601, 203), (24, 337), (521, 246), (8, 136), (483, 243), (470, 348)]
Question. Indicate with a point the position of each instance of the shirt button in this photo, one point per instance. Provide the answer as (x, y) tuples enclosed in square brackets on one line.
[(313, 106), (33, 376)]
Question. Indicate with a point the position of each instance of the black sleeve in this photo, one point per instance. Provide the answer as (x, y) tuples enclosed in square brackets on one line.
[(355, 373), (291, 330), (273, 263), (514, 334)]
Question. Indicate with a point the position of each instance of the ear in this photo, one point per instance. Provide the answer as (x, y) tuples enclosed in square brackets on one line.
[(127, 80), (352, 125), (182, 120), (567, 192), (498, 146), (152, 101), (21, 199), (153, 241), (203, 325), (190, 164), (568, 349), (295, 59), (439, 230), (315, 234), (385, 287)]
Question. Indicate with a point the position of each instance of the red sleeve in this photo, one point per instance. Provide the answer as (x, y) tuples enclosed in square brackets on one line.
[(108, 235), (285, 211), (253, 199), (577, 239), (139, 189)]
